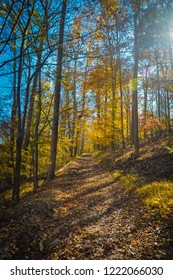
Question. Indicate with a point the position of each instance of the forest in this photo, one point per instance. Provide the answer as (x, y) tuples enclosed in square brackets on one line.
[(86, 129)]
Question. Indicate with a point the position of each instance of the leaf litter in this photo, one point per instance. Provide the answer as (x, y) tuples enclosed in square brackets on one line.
[(84, 213)]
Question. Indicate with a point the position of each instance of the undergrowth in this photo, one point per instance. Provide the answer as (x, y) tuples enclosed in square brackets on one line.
[(144, 180)]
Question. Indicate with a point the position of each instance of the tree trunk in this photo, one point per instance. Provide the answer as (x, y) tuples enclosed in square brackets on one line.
[(74, 110), (113, 89), (13, 114), (35, 163), (55, 122), (20, 131), (135, 82), (121, 91), (158, 90), (83, 115), (17, 168), (145, 98)]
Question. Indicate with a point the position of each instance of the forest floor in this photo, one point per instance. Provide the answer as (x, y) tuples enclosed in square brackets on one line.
[(88, 212)]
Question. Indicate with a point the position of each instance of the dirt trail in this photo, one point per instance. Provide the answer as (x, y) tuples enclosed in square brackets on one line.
[(82, 214)]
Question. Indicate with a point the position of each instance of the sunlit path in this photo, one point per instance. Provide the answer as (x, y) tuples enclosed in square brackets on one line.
[(82, 214)]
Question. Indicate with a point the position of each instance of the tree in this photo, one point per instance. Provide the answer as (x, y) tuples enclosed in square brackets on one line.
[(55, 122), (20, 132), (136, 9)]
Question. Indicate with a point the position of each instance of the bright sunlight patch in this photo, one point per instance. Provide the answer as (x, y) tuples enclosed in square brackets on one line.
[(158, 195)]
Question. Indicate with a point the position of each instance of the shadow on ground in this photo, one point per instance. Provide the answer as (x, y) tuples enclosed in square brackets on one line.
[(84, 214)]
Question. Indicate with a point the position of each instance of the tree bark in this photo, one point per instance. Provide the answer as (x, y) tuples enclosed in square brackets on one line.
[(55, 122), (135, 82), (36, 151), (20, 132), (145, 98), (121, 91)]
